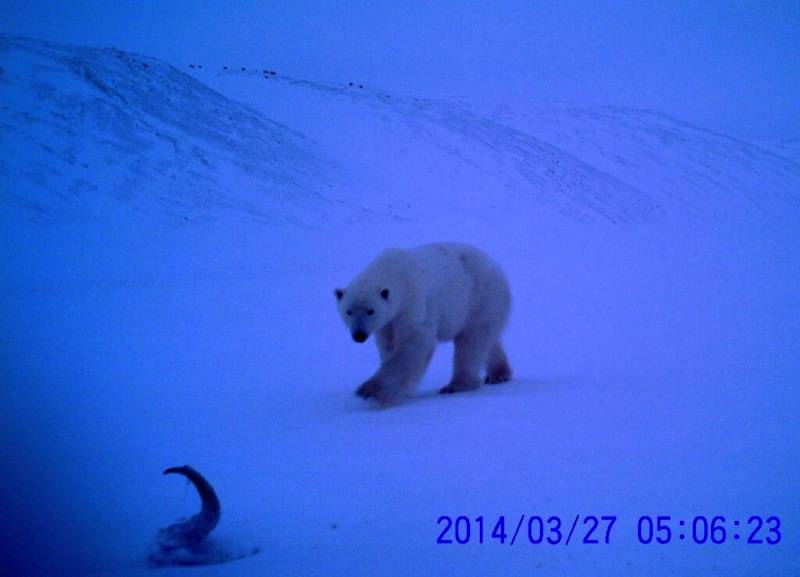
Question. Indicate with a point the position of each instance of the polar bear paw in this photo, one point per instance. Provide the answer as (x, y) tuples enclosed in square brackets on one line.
[(495, 378), (370, 388), (460, 386)]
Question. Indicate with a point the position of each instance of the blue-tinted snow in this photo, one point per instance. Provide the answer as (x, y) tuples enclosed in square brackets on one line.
[(172, 304)]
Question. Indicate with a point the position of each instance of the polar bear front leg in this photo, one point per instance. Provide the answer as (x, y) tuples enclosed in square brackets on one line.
[(370, 387), (402, 368), (384, 339)]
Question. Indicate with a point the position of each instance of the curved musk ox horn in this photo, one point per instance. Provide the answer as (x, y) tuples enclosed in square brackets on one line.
[(189, 533), (188, 542)]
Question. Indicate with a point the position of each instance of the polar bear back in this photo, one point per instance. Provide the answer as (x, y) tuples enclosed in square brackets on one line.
[(448, 287)]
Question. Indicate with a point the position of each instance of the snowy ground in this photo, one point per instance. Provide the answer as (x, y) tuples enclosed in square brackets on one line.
[(167, 278)]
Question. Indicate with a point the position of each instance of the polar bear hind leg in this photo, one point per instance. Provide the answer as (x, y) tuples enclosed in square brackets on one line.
[(497, 368), (469, 357), (470, 353)]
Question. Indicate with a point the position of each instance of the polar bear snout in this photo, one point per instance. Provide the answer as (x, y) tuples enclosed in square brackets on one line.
[(360, 336)]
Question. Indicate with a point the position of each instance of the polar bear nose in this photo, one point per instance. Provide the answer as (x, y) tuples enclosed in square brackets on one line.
[(360, 336)]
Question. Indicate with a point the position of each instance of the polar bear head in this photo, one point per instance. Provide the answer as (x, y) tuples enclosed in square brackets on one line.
[(364, 311)]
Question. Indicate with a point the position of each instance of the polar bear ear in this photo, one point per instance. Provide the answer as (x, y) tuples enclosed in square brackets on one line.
[(339, 294), (385, 294)]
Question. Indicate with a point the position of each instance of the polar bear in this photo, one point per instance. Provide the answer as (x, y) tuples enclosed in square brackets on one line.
[(410, 299)]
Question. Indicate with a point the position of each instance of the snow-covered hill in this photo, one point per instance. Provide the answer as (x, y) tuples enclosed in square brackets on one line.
[(586, 163), (169, 243), (81, 125)]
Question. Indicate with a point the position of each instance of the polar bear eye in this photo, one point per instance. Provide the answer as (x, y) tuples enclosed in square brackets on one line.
[(370, 312), (349, 313)]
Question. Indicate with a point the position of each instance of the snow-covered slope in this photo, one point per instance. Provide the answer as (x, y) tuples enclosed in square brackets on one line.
[(84, 124), (656, 363), (586, 163)]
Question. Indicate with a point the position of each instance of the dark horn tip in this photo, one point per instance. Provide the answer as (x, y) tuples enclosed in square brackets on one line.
[(182, 470)]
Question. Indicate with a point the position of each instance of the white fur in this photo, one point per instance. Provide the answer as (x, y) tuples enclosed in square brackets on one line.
[(410, 299)]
